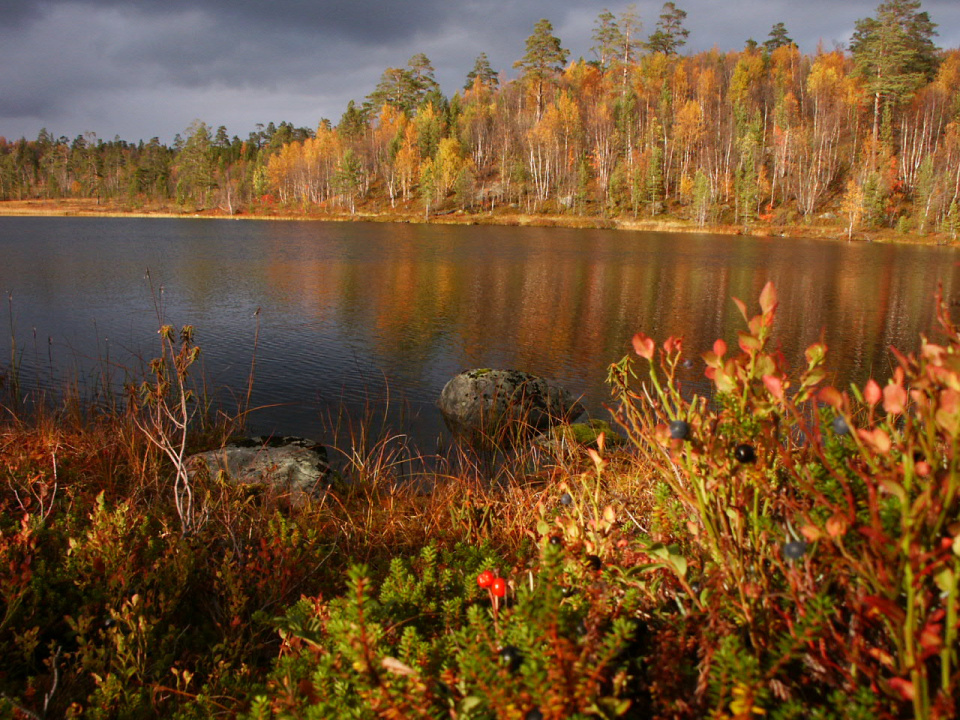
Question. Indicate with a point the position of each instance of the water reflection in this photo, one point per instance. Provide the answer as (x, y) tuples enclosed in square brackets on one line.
[(349, 308)]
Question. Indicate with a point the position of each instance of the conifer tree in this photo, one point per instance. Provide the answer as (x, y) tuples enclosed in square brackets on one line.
[(544, 59), (607, 37), (670, 34), (894, 53), (778, 38), (483, 72)]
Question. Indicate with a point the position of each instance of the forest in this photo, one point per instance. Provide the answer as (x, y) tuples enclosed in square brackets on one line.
[(867, 136)]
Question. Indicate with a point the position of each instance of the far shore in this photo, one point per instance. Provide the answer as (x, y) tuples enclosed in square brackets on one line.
[(826, 227)]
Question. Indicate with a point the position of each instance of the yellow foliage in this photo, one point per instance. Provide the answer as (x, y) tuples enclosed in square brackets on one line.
[(686, 188), (746, 78), (785, 66), (688, 127), (448, 166), (948, 76)]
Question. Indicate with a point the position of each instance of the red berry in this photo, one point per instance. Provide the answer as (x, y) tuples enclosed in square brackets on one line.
[(499, 587), (485, 579)]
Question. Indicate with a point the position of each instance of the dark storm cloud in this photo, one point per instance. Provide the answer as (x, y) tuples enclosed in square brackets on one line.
[(140, 68), (362, 21)]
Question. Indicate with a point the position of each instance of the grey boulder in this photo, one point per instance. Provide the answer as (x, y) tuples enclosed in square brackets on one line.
[(490, 402), (288, 464)]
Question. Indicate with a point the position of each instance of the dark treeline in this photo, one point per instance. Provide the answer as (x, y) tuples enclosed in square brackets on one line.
[(869, 134)]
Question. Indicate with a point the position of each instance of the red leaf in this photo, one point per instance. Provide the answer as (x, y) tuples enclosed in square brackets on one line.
[(747, 342), (904, 687), (881, 605), (815, 353), (876, 439), (719, 347), (643, 346), (742, 307), (831, 396), (871, 393), (774, 386), (931, 638), (768, 298), (673, 344), (894, 399)]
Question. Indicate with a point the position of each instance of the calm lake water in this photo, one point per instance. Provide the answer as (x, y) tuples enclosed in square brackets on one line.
[(353, 313)]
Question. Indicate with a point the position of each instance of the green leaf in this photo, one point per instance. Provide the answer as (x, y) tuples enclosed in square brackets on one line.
[(471, 702), (946, 580)]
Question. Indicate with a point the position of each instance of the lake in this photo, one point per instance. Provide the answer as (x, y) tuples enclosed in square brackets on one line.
[(380, 316)]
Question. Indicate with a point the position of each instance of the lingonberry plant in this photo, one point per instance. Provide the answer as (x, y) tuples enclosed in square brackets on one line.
[(427, 645)]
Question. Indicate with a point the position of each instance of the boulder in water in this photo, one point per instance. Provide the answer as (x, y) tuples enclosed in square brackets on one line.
[(492, 402)]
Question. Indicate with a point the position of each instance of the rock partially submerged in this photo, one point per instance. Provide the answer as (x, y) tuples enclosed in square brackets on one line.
[(290, 465), (490, 403)]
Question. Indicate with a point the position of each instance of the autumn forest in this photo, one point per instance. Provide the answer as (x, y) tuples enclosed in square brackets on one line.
[(867, 136)]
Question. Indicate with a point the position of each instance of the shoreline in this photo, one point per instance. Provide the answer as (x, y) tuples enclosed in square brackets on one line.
[(505, 218)]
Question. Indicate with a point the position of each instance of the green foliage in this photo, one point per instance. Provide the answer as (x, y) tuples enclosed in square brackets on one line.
[(670, 34), (431, 642), (894, 51)]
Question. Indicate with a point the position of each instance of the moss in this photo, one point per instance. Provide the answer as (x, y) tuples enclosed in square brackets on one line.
[(586, 433)]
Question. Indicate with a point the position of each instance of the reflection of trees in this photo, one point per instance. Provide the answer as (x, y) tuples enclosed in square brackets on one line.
[(565, 304)]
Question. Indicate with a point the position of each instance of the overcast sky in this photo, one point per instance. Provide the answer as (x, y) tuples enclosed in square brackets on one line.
[(144, 68)]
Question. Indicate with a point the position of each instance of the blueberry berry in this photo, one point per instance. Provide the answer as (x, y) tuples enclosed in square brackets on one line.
[(566, 499), (510, 657), (794, 550), (745, 453), (556, 541), (840, 426), (679, 430), (534, 714), (594, 562)]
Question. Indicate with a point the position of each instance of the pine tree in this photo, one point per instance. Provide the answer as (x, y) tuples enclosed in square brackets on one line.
[(483, 72), (894, 53), (405, 89), (670, 34), (778, 38), (607, 37), (195, 165), (544, 59)]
